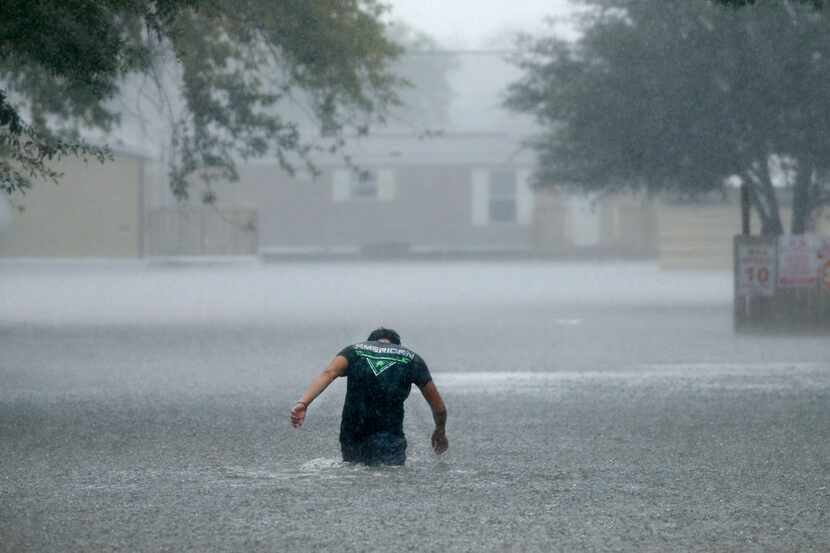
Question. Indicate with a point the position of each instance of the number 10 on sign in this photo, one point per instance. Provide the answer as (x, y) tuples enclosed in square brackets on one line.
[(756, 270)]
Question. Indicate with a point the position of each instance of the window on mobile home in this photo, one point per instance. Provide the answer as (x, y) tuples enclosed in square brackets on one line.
[(503, 196), (377, 185)]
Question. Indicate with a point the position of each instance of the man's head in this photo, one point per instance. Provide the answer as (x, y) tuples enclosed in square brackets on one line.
[(385, 334)]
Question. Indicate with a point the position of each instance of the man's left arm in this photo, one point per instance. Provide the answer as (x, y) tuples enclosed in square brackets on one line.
[(335, 369), (439, 414), (423, 379)]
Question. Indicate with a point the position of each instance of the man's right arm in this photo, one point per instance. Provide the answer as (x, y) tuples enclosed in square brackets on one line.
[(439, 414), (335, 369)]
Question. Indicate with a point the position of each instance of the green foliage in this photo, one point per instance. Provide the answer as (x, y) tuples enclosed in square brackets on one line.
[(677, 97), (25, 153), (62, 63)]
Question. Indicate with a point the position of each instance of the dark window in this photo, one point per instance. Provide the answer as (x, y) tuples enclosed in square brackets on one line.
[(503, 196), (503, 210), (365, 186)]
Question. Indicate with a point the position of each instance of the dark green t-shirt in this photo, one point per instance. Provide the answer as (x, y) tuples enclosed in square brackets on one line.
[(378, 380)]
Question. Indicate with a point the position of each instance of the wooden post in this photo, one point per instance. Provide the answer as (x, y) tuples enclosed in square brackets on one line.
[(745, 210), (738, 302)]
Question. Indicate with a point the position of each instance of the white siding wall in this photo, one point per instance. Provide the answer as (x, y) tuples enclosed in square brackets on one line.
[(481, 197), (387, 185), (524, 198), (341, 185)]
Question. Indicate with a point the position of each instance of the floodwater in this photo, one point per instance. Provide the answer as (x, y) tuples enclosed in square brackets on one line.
[(602, 407)]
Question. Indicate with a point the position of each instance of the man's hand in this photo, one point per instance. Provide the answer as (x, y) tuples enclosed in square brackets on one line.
[(298, 414), (439, 413), (440, 444)]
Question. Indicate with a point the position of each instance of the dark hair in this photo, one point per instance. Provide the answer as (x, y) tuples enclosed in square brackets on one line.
[(385, 334)]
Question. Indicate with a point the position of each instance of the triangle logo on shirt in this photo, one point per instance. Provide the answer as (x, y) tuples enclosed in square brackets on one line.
[(379, 364)]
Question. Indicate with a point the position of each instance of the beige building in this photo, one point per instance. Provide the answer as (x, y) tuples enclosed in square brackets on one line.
[(95, 211), (700, 235), (121, 208), (612, 226)]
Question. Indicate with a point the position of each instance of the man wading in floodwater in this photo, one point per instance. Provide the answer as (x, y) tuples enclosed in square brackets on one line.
[(379, 374)]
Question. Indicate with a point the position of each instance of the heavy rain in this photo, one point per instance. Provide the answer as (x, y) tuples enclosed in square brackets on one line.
[(599, 228)]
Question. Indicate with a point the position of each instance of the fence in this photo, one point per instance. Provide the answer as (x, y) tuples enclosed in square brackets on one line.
[(782, 282), (201, 230)]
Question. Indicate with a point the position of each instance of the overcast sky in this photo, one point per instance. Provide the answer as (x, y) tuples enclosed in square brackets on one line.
[(467, 23)]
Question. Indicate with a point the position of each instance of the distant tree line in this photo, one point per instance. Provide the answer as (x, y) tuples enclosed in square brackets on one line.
[(682, 97)]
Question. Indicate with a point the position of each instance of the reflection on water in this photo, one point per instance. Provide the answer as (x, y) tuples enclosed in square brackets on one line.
[(701, 375)]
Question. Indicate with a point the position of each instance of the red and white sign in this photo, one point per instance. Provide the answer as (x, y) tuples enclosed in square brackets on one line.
[(798, 260), (756, 270)]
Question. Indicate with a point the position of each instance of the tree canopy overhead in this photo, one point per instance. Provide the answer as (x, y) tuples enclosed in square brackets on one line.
[(679, 97), (235, 64), (741, 3)]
